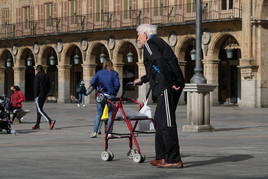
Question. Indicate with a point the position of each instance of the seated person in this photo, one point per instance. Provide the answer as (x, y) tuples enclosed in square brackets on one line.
[(16, 100)]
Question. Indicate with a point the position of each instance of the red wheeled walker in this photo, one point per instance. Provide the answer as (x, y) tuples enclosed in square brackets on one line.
[(131, 120)]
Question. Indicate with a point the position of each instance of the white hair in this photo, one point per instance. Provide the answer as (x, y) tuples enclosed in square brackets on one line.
[(149, 29)]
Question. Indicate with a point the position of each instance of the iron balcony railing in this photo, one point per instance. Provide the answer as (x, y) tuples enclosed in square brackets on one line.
[(164, 15)]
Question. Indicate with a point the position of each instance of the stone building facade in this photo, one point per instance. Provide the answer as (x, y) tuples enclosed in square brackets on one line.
[(70, 37)]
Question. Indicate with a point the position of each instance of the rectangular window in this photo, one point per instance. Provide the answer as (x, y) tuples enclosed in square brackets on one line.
[(158, 7), (5, 16), (99, 8), (49, 15), (26, 16), (73, 11), (127, 7), (231, 3), (190, 6), (227, 4)]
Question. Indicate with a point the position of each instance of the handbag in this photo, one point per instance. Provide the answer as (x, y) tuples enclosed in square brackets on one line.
[(105, 113), (146, 125)]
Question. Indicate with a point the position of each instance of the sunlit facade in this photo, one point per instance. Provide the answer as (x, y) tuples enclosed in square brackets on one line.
[(70, 37)]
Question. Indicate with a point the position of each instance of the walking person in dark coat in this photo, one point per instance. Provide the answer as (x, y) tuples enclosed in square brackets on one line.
[(41, 89), (166, 81)]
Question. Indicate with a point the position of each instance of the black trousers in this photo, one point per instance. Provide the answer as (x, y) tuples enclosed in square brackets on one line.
[(39, 103), (166, 137)]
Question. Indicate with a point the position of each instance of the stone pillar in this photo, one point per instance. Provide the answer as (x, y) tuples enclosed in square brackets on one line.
[(19, 78), (88, 73), (2, 80), (247, 65), (198, 107), (211, 72), (119, 68), (248, 83), (64, 83)]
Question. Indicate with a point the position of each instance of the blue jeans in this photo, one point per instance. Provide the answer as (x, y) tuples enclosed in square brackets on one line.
[(81, 99), (100, 107)]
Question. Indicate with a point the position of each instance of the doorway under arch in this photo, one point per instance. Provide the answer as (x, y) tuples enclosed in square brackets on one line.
[(229, 73), (29, 63)]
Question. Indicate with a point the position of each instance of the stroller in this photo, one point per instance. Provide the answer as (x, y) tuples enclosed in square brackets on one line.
[(5, 122)]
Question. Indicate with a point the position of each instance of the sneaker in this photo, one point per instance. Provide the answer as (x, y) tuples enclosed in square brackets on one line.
[(51, 124), (110, 136), (94, 135), (99, 133), (36, 127), (78, 105), (84, 105)]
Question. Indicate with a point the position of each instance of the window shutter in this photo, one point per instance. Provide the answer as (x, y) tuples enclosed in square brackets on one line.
[(17, 15), (79, 7), (20, 15), (66, 9), (42, 11), (55, 10), (31, 13), (105, 5)]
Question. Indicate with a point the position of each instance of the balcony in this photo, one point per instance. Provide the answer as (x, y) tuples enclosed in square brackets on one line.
[(105, 21)]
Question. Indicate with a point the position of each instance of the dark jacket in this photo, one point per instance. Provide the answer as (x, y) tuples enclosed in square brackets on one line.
[(81, 89), (41, 85), (106, 80), (162, 68)]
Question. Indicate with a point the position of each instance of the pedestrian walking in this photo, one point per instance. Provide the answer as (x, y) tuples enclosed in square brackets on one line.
[(81, 92), (166, 81), (41, 89), (106, 82)]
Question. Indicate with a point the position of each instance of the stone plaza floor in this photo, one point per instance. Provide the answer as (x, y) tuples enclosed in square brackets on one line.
[(238, 148)]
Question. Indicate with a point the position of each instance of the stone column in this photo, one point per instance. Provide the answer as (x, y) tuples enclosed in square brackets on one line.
[(64, 83), (211, 72), (198, 107), (88, 73), (248, 83), (247, 66), (19, 77), (2, 80), (119, 68)]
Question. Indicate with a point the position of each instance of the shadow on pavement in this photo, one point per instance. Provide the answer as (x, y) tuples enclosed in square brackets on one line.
[(223, 159), (26, 131), (70, 127), (239, 128)]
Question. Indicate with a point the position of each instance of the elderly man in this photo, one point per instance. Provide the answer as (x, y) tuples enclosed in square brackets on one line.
[(166, 81)]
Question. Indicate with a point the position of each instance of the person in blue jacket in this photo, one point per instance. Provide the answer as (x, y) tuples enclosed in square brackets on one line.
[(106, 82)]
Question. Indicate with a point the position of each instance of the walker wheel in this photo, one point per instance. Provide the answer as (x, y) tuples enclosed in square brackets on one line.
[(8, 131), (131, 152), (137, 158), (143, 158), (111, 155), (106, 156)]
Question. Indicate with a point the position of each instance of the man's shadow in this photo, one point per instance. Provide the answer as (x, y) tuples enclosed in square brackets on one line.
[(222, 159)]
